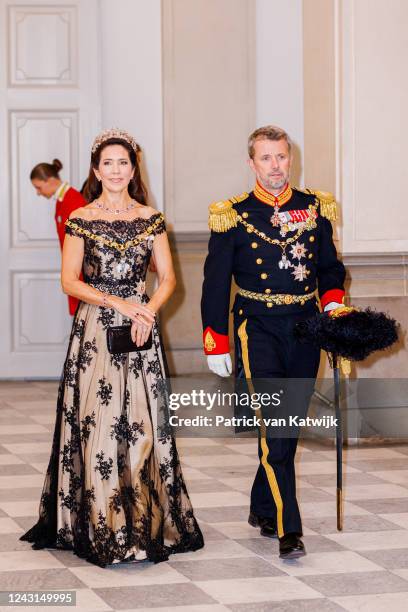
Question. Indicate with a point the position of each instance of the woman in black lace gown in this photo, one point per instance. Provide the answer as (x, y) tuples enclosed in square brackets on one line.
[(114, 489)]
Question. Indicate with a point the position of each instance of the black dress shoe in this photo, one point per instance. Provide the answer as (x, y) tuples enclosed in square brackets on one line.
[(267, 525), (291, 546)]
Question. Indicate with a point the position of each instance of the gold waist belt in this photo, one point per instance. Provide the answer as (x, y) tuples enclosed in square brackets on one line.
[(277, 299)]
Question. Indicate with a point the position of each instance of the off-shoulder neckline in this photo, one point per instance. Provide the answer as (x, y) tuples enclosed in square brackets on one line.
[(73, 219)]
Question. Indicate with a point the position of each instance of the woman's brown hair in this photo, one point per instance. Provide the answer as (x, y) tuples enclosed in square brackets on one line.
[(44, 171), (136, 188)]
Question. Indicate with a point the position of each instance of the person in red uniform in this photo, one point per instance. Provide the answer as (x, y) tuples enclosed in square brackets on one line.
[(47, 182)]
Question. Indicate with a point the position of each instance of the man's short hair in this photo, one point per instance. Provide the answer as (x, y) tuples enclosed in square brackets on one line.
[(268, 132)]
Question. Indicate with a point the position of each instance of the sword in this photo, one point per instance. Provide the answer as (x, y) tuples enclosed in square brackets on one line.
[(352, 323), (334, 362), (339, 443)]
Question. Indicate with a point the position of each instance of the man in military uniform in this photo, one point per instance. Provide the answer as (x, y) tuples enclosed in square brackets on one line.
[(277, 244)]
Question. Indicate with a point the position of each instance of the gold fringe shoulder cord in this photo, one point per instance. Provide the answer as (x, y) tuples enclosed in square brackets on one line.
[(222, 214), (327, 203)]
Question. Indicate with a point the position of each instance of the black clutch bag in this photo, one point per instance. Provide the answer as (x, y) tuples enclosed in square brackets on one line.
[(119, 340)]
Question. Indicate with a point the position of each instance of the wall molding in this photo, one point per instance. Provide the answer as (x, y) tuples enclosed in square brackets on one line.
[(27, 214), (36, 65), (29, 300), (372, 199)]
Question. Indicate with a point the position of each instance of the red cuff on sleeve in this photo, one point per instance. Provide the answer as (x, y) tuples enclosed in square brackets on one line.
[(333, 295), (215, 344)]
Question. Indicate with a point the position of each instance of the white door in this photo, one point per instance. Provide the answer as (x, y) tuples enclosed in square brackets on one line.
[(49, 107)]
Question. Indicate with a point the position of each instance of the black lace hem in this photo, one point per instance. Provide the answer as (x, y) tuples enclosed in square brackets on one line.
[(143, 505), (111, 550)]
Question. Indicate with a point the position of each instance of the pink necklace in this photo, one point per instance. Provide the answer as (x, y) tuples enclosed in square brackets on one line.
[(115, 211)]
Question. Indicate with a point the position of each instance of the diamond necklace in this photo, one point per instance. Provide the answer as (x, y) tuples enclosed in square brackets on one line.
[(115, 211)]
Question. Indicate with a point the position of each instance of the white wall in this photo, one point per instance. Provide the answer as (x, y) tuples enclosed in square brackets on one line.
[(131, 75), (374, 123), (131, 78), (209, 102), (320, 97), (279, 71)]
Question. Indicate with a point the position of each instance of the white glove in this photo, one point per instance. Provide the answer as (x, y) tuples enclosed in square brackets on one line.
[(220, 364), (332, 306)]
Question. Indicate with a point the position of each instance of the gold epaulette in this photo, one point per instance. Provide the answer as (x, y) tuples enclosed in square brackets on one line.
[(239, 198), (222, 214), (328, 205)]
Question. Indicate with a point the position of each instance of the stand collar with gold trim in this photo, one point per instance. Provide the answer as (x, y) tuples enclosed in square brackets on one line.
[(268, 198)]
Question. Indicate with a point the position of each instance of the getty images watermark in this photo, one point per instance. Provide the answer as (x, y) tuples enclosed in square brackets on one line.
[(255, 401)]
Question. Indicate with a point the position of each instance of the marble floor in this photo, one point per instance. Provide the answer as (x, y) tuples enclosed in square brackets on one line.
[(364, 568)]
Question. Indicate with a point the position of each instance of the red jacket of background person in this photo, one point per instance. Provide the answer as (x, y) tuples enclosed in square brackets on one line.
[(68, 199)]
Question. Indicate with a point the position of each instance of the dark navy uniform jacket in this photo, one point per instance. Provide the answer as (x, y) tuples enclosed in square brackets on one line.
[(240, 247)]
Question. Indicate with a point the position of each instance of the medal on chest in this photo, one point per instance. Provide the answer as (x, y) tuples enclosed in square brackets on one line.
[(275, 219), (293, 251), (298, 251), (293, 220)]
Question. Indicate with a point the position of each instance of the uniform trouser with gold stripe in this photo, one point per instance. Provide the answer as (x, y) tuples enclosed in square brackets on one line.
[(267, 349)]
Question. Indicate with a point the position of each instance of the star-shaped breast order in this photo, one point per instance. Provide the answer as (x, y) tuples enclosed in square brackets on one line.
[(298, 250), (300, 272)]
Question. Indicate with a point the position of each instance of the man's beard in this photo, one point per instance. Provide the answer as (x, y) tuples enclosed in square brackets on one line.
[(274, 184)]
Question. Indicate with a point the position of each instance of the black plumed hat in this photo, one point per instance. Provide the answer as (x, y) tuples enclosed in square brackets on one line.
[(354, 335)]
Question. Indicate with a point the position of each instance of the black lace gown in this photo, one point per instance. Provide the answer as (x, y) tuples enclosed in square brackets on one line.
[(114, 489)]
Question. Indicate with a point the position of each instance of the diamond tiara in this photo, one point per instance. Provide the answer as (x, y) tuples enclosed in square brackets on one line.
[(114, 133)]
